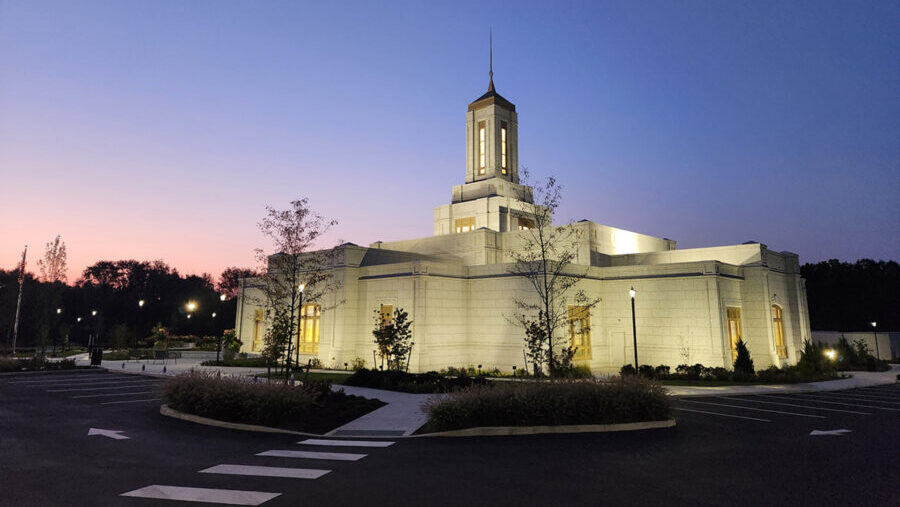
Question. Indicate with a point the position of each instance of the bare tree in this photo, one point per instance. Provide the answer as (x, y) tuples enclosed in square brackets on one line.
[(53, 266), (545, 259), (295, 274)]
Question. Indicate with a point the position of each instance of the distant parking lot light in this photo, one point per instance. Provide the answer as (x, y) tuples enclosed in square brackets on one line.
[(831, 354)]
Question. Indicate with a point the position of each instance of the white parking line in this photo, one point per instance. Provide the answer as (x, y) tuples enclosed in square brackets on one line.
[(346, 443), (794, 405), (755, 409), (98, 383), (292, 473), (721, 414), (886, 390), (820, 400), (129, 401), (104, 395), (862, 397), (53, 378), (91, 389), (336, 456), (223, 496)]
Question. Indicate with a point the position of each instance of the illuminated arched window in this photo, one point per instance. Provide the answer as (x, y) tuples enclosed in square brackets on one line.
[(778, 327), (309, 328), (482, 139)]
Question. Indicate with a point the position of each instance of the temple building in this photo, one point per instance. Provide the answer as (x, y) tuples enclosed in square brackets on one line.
[(691, 306)]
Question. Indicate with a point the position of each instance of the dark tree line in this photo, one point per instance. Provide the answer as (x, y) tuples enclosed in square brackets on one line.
[(53, 311), (848, 297)]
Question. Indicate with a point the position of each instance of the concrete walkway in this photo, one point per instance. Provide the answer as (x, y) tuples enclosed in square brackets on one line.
[(402, 415)]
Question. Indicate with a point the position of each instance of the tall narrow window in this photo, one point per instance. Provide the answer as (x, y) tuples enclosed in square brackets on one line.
[(257, 330), (503, 147), (778, 327), (464, 224), (308, 334), (482, 132), (525, 224), (734, 329), (387, 314), (580, 332)]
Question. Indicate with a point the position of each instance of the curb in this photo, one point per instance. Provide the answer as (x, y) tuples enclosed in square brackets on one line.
[(171, 412), (499, 431)]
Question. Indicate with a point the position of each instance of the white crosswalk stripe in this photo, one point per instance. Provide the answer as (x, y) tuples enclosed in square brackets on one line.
[(336, 456), (346, 443), (293, 473), (209, 495)]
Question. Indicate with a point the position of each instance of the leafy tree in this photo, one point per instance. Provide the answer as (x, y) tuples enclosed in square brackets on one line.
[(393, 339), (230, 280), (847, 296), (545, 259), (53, 266), (535, 345), (277, 338), (743, 364), (296, 273)]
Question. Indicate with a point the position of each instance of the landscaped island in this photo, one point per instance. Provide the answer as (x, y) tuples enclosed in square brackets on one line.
[(312, 408), (550, 403)]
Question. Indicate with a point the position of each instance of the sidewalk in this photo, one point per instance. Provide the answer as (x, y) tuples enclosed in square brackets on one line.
[(402, 415), (171, 366), (859, 379)]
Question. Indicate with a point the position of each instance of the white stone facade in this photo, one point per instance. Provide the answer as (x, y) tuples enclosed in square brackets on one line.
[(458, 291)]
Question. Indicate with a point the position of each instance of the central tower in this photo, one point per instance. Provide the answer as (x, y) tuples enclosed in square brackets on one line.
[(492, 138), (491, 196)]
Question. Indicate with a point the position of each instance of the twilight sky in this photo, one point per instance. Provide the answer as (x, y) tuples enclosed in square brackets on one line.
[(161, 130)]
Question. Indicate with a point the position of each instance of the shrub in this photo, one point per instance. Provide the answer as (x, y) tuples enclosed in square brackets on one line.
[(662, 371), (34, 364), (743, 364), (622, 400), (310, 407), (358, 364), (626, 370), (689, 372), (244, 362), (812, 362), (719, 373), (646, 371), (394, 380)]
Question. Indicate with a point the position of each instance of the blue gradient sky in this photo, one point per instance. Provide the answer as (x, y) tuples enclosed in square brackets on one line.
[(162, 129)]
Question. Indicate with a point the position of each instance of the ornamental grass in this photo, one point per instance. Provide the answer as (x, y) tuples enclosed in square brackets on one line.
[(311, 407), (549, 403)]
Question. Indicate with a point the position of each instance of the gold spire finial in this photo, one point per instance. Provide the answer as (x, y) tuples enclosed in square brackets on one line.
[(491, 73)]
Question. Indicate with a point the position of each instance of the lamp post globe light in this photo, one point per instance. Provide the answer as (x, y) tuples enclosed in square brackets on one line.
[(634, 329), (875, 333)]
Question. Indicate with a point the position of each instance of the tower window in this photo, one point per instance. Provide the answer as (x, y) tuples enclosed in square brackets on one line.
[(503, 147), (482, 132), (525, 224), (464, 224)]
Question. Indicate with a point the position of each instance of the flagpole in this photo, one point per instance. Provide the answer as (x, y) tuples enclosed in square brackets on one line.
[(19, 300)]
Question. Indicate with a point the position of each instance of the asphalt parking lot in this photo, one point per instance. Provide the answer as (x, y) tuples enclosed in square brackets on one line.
[(839, 448)]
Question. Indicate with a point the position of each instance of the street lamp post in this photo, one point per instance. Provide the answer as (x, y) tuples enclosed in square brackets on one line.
[(875, 333), (634, 330)]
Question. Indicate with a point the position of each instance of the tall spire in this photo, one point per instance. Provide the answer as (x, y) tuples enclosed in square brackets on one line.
[(491, 73)]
